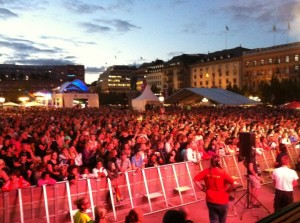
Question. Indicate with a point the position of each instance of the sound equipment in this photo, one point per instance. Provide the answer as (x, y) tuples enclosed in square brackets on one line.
[(246, 144)]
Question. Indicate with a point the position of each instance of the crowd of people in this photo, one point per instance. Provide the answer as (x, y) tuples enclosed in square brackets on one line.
[(40, 147), (46, 146)]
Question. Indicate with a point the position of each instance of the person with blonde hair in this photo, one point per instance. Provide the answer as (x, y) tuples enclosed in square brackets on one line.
[(100, 214)]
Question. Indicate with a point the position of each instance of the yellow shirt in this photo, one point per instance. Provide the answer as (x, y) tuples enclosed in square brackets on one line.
[(81, 217)]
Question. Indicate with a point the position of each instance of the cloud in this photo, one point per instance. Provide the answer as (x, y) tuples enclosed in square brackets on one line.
[(264, 13), (20, 45), (119, 25), (41, 61), (68, 40), (94, 28), (173, 54), (26, 52), (6, 14), (78, 6), (95, 69), (106, 26)]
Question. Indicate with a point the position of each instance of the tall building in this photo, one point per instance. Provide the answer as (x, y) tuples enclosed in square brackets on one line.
[(152, 73), (177, 72), (17, 80), (218, 69), (261, 64), (118, 78)]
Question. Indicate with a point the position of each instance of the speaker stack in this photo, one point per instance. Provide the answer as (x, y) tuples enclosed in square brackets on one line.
[(246, 144)]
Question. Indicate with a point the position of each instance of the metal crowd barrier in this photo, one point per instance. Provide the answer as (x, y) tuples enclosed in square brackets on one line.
[(151, 189)]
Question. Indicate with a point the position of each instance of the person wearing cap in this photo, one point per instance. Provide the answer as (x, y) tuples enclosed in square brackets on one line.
[(67, 142)]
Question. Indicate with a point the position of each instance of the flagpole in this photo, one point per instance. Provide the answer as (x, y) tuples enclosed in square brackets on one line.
[(225, 39), (274, 30), (287, 33)]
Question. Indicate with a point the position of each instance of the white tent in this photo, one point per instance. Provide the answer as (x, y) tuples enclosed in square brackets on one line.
[(147, 97), (10, 105), (34, 104)]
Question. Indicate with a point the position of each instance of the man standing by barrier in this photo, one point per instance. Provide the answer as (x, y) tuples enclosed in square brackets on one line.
[(218, 183), (285, 180)]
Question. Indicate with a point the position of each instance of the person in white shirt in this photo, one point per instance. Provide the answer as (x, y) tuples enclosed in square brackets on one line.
[(191, 153), (99, 171), (285, 180)]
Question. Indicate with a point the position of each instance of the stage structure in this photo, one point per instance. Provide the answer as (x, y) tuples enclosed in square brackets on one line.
[(74, 93)]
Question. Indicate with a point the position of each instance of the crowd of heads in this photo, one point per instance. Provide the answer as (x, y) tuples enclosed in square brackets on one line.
[(72, 144)]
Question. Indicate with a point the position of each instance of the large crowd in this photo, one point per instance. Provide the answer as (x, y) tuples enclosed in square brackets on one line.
[(39, 146)]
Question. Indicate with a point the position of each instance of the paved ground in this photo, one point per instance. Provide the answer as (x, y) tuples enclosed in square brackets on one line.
[(199, 212)]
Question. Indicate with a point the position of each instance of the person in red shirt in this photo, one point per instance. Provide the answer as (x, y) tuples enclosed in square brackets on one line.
[(218, 184)]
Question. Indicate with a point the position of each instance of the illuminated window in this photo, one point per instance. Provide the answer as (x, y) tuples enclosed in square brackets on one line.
[(287, 59), (296, 57)]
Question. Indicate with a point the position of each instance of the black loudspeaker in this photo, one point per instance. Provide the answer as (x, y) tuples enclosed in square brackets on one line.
[(246, 144)]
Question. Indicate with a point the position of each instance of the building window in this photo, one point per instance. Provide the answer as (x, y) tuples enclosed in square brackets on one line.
[(270, 60), (200, 83), (201, 75), (220, 82), (296, 67), (278, 60), (254, 63), (287, 59), (206, 82), (247, 64), (287, 70), (195, 84), (262, 62), (296, 57), (195, 77), (227, 73), (195, 70), (270, 72), (234, 81)]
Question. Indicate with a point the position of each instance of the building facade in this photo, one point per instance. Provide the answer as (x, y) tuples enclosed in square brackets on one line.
[(262, 64), (177, 72), (152, 74), (218, 70), (17, 80), (118, 79)]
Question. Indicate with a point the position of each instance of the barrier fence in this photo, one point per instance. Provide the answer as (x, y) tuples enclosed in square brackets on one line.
[(151, 189)]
